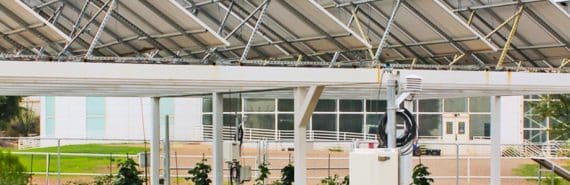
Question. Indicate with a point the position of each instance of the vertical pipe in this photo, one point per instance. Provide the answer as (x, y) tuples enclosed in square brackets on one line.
[(300, 138), (217, 122), (495, 140), (456, 163), (406, 161), (47, 168), (155, 141), (167, 150), (391, 109)]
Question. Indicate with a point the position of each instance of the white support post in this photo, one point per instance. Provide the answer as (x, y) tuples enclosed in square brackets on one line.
[(391, 109), (495, 140), (167, 150), (155, 141), (217, 121), (407, 161), (305, 102)]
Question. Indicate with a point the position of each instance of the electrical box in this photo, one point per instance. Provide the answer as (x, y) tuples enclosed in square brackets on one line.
[(231, 151), (374, 166), (143, 159), (245, 173)]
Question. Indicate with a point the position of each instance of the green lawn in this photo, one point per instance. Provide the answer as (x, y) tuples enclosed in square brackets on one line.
[(532, 170), (79, 164)]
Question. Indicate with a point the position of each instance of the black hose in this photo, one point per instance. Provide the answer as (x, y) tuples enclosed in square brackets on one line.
[(410, 132)]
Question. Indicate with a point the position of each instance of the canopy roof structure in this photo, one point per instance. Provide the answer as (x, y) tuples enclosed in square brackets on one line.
[(332, 33), (153, 80)]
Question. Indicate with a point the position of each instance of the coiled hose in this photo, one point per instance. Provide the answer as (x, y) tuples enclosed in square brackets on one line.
[(404, 141)]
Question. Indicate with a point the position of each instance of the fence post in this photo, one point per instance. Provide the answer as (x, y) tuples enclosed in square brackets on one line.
[(47, 168), (457, 163), (468, 170), (58, 161)]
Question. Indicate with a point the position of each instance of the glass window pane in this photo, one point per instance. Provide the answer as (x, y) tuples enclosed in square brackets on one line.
[(351, 123), (534, 122), (95, 106), (456, 105), (326, 122), (433, 105), (95, 127), (263, 121), (479, 125), (326, 106), (461, 127), (536, 136), (285, 105), (230, 119), (232, 105), (430, 125), (260, 105), (449, 127), (479, 104), (375, 105), (373, 119), (351, 105), (207, 119), (207, 104), (285, 121)]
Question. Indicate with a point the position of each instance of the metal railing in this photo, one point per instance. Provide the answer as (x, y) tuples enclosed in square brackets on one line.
[(252, 134)]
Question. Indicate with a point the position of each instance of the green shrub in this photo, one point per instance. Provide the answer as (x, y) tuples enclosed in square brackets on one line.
[(12, 170), (263, 173), (420, 175), (128, 173), (334, 180), (199, 174), (288, 175)]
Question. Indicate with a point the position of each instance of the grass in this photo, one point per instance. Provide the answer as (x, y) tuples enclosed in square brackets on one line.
[(79, 164), (532, 170)]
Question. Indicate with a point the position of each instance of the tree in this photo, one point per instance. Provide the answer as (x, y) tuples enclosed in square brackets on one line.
[(11, 170), (9, 108), (288, 175), (199, 174), (420, 175), (24, 124), (555, 107), (128, 173), (263, 173)]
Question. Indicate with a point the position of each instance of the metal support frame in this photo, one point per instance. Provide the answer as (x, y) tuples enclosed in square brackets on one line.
[(305, 102), (391, 107), (495, 140), (510, 38), (386, 31), (101, 28), (155, 141), (78, 20), (217, 151), (254, 31)]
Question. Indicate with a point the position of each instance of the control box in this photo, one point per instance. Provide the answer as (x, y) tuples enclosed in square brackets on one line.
[(231, 151), (374, 166)]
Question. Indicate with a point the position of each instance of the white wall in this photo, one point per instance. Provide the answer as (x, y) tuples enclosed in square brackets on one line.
[(187, 119), (512, 116)]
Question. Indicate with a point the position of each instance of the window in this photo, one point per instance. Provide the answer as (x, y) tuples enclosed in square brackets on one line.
[(479, 104), (449, 127), (326, 106), (430, 125), (232, 105), (433, 105), (285, 122), (260, 105), (376, 105), (50, 116), (480, 125), (456, 105), (324, 122), (262, 121), (351, 105), (95, 113), (461, 127), (351, 123), (207, 119), (207, 104), (285, 105)]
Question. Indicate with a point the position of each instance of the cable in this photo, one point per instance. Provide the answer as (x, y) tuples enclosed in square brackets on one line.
[(406, 139)]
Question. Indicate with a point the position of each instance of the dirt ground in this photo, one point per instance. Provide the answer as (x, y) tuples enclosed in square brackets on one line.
[(320, 167)]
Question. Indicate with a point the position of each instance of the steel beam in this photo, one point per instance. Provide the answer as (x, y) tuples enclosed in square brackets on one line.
[(386, 31), (101, 28), (517, 18), (254, 31), (217, 151), (155, 141), (305, 102), (495, 140)]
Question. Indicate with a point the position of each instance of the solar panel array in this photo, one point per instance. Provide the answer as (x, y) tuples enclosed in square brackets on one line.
[(279, 32)]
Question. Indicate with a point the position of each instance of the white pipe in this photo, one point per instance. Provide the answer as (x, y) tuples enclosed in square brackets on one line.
[(167, 150), (217, 121), (155, 141)]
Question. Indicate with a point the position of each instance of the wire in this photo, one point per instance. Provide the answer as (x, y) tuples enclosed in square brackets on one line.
[(406, 140)]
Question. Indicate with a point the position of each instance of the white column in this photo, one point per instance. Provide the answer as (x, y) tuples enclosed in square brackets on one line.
[(155, 141), (495, 140), (300, 137), (167, 150), (391, 110), (217, 121), (305, 102), (406, 161)]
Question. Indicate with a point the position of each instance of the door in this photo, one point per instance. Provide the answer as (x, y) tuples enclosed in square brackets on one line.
[(455, 127)]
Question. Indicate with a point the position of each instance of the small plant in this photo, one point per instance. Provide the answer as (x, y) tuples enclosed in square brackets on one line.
[(263, 173), (420, 175), (103, 180), (346, 180), (128, 173), (199, 174), (335, 180), (11, 170), (288, 175)]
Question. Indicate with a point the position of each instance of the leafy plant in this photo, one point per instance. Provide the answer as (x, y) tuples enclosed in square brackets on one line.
[(420, 175), (103, 180), (263, 173), (335, 180), (555, 107), (288, 175), (23, 124), (128, 173), (199, 174), (11, 170), (346, 180), (9, 108)]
